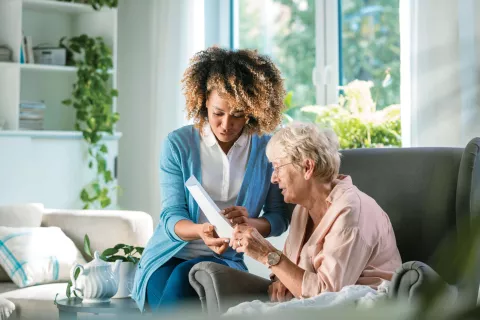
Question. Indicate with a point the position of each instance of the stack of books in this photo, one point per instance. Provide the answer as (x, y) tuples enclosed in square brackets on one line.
[(32, 114), (5, 53)]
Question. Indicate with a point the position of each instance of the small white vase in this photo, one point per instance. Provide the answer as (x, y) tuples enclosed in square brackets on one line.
[(125, 280)]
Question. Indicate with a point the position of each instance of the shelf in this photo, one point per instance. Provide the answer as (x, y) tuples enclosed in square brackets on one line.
[(46, 134), (46, 67), (64, 7)]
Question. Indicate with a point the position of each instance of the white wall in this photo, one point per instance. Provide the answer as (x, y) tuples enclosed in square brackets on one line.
[(51, 171), (156, 39)]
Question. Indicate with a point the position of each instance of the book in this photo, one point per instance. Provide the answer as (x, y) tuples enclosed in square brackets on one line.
[(222, 226)]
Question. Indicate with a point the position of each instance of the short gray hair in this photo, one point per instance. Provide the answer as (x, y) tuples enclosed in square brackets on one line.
[(300, 141)]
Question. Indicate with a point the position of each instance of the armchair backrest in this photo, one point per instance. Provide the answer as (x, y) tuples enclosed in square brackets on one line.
[(424, 191)]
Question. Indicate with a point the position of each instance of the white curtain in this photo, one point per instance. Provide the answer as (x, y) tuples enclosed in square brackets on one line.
[(156, 39), (440, 84)]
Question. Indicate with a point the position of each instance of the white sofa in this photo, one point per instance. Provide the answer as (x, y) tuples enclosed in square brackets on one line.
[(105, 228)]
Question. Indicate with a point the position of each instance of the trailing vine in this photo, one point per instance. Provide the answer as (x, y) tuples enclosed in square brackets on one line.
[(92, 99)]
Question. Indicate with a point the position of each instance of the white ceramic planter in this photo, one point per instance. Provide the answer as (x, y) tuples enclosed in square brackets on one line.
[(126, 275)]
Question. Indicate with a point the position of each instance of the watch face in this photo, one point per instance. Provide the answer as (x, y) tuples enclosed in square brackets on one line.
[(273, 258)]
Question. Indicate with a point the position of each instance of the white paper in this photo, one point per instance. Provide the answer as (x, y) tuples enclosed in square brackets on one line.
[(210, 209)]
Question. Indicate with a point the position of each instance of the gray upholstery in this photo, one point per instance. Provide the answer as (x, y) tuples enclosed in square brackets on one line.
[(220, 287), (425, 192)]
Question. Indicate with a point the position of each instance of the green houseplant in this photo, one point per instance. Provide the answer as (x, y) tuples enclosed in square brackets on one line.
[(128, 254), (92, 99)]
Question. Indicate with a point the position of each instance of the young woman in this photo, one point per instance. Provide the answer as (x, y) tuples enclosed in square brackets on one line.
[(234, 98)]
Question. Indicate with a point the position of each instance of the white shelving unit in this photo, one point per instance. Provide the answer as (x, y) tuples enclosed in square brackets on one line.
[(47, 21), (50, 165)]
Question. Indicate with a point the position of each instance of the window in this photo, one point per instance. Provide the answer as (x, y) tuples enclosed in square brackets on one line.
[(340, 60), (284, 30)]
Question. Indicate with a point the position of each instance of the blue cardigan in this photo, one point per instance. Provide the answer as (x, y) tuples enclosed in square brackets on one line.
[(179, 159)]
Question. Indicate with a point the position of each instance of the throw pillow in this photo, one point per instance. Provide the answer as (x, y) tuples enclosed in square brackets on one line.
[(21, 215), (33, 256)]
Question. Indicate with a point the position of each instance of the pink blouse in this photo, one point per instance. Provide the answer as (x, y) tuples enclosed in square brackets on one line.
[(353, 244)]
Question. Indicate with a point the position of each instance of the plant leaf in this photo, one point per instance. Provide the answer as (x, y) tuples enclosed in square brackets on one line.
[(107, 175), (109, 252), (119, 246), (84, 195), (68, 292), (105, 202), (77, 273), (139, 249), (86, 246)]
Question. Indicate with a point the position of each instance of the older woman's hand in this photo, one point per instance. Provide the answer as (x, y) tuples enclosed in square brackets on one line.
[(236, 215), (278, 292), (248, 240)]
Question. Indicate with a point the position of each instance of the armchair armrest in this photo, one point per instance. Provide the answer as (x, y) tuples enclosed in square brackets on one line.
[(410, 278), (220, 287)]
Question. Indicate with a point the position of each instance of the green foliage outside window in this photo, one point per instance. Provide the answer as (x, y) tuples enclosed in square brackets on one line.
[(371, 47), (355, 119), (370, 43)]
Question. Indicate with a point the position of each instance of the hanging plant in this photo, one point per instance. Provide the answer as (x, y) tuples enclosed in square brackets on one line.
[(92, 99), (96, 4)]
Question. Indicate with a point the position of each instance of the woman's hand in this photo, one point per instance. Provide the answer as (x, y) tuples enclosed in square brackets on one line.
[(211, 239), (249, 240), (236, 215), (278, 292)]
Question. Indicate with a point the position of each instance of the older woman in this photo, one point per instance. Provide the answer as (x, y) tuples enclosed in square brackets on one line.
[(338, 236), (234, 98)]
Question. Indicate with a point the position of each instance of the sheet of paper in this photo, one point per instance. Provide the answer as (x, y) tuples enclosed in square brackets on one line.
[(209, 208)]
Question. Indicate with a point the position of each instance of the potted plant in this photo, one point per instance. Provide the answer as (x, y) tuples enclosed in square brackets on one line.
[(129, 255)]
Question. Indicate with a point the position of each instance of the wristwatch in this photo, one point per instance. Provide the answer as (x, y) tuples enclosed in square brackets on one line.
[(273, 258)]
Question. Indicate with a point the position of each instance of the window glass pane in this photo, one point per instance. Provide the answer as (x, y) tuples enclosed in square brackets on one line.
[(284, 30), (370, 38)]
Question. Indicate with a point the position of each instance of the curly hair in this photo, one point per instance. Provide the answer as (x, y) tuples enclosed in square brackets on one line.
[(249, 81)]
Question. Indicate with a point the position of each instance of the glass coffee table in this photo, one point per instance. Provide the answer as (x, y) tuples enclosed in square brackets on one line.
[(68, 308)]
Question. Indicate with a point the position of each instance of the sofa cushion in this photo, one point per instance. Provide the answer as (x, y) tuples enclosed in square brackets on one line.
[(6, 308), (7, 286), (36, 302), (22, 215), (37, 255)]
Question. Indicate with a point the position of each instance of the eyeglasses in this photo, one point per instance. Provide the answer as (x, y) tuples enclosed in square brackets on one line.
[(276, 170)]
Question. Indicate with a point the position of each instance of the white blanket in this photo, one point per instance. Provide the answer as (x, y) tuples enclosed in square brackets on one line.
[(361, 296)]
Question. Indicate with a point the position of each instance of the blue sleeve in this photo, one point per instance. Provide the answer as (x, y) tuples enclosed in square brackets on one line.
[(276, 211), (172, 191)]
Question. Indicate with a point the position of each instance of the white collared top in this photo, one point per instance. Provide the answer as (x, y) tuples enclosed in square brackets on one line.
[(222, 177)]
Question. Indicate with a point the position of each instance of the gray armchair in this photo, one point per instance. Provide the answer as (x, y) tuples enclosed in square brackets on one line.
[(425, 192)]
